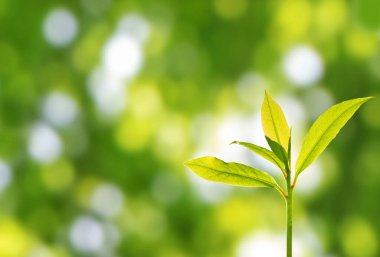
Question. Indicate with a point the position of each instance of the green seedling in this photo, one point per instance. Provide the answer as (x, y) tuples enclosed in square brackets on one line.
[(278, 136)]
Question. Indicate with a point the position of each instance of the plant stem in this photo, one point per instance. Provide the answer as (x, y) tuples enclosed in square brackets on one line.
[(289, 218)]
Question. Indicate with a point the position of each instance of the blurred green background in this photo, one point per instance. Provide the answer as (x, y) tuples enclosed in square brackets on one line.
[(101, 101)]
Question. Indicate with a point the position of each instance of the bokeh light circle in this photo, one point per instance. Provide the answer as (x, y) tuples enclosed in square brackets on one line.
[(5, 175), (44, 144), (264, 244), (122, 56), (107, 200), (59, 109), (135, 26), (60, 27), (86, 235), (108, 92), (303, 66)]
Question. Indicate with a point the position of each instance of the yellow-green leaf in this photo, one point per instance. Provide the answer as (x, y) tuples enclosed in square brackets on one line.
[(275, 126), (232, 173), (278, 150), (325, 129), (263, 152)]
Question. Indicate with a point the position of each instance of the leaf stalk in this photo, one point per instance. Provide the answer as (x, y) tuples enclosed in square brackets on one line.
[(289, 218)]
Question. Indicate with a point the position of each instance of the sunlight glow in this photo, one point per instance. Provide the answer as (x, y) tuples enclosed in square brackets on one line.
[(122, 56), (5, 175), (59, 109), (263, 244), (44, 144), (107, 200), (135, 26), (87, 235), (293, 110), (303, 66), (108, 92), (232, 128), (60, 27), (309, 181)]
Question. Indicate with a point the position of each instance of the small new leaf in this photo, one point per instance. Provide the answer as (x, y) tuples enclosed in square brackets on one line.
[(278, 150), (263, 152), (275, 126), (290, 148), (325, 129), (232, 173)]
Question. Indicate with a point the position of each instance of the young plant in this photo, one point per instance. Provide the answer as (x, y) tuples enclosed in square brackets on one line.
[(278, 136)]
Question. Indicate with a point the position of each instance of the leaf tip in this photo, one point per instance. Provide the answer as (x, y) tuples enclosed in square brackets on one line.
[(195, 161), (187, 163), (266, 93), (234, 142)]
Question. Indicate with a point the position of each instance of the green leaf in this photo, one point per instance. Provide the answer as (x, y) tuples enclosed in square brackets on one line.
[(232, 173), (290, 146), (278, 150), (275, 126), (263, 152), (290, 150), (325, 129)]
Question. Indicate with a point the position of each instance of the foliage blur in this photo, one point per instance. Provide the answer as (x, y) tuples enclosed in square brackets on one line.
[(102, 101)]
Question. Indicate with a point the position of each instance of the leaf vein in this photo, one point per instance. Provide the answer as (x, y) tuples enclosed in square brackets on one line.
[(319, 141), (238, 175)]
